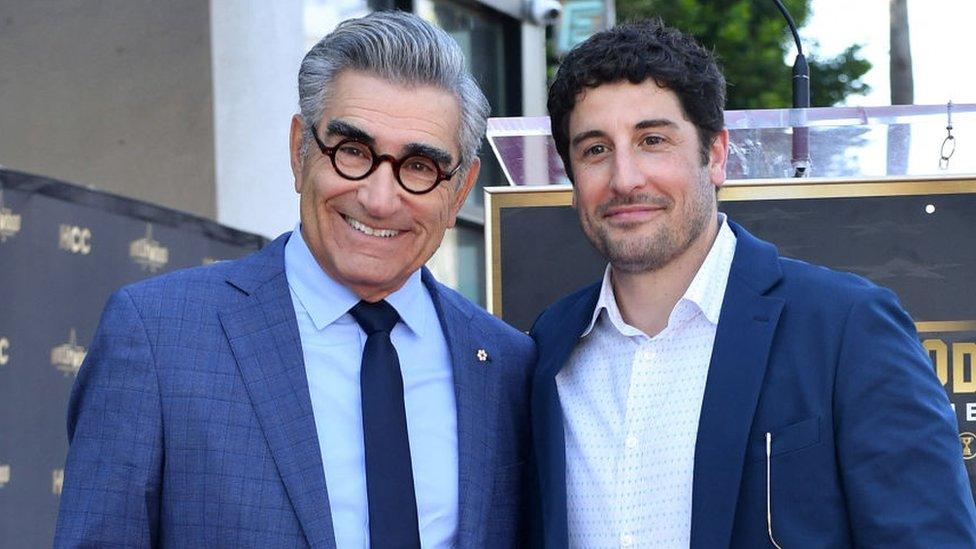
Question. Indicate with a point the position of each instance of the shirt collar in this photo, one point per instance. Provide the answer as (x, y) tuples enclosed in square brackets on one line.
[(608, 303), (706, 291), (326, 300)]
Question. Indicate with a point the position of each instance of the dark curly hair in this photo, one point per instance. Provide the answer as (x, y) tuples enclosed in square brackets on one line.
[(635, 52)]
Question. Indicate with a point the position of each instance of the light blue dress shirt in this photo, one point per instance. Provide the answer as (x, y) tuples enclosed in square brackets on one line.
[(332, 345)]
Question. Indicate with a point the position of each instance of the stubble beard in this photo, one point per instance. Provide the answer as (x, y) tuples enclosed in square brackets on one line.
[(650, 252)]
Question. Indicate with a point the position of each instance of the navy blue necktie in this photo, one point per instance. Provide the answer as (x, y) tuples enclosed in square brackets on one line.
[(389, 477)]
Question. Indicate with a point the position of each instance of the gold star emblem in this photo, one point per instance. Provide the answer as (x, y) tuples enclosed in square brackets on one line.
[(482, 355)]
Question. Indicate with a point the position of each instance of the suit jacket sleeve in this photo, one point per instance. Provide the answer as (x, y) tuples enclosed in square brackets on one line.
[(111, 485), (897, 441)]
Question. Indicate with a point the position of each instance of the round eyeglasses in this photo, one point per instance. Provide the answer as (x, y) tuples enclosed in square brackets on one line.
[(355, 160)]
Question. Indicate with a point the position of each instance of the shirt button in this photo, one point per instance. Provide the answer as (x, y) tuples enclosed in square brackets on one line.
[(626, 540), (631, 442)]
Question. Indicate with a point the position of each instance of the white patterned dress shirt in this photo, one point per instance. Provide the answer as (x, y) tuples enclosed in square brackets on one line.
[(631, 405)]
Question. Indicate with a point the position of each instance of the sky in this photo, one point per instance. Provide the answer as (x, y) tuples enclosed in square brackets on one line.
[(941, 42)]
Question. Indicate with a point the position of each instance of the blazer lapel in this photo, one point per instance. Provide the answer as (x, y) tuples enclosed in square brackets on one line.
[(476, 413), (742, 342), (554, 348), (263, 335)]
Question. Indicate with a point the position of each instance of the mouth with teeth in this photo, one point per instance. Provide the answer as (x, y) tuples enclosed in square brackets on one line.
[(367, 230)]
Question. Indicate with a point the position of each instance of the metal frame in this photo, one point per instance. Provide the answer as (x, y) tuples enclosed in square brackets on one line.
[(498, 198)]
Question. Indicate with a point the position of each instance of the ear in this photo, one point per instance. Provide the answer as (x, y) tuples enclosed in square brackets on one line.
[(718, 154), (295, 150), (462, 192)]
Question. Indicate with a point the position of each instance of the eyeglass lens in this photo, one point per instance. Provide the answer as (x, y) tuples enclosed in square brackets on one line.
[(354, 159)]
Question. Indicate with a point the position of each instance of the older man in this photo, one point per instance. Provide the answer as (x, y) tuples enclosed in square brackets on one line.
[(706, 392), (326, 391)]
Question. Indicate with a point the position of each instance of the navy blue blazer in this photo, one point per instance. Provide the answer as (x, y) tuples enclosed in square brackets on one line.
[(190, 423), (865, 445)]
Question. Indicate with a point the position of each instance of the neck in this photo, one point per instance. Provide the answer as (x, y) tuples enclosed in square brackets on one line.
[(646, 299)]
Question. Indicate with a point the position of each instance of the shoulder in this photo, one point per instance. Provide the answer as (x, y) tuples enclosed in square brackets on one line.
[(195, 282), (820, 286), (481, 321), (758, 266), (580, 302), (187, 292), (843, 312)]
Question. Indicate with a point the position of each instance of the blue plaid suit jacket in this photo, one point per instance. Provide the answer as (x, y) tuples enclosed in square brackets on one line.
[(190, 423)]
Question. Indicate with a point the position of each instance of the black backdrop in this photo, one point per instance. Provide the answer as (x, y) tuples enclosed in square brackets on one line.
[(920, 244), (63, 250)]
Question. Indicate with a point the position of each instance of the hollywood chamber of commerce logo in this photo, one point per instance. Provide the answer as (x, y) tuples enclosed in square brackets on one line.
[(75, 239), (968, 441), (149, 253), (954, 361), (67, 357), (9, 221), (4, 351)]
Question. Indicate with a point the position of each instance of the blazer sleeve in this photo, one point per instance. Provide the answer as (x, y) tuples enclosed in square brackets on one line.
[(111, 485), (897, 436)]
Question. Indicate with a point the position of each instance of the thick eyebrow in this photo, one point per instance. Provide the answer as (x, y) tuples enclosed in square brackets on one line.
[(345, 129), (642, 125), (436, 154), (654, 123), (584, 136)]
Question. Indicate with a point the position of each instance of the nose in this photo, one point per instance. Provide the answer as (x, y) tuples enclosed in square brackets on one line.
[(379, 193), (626, 174)]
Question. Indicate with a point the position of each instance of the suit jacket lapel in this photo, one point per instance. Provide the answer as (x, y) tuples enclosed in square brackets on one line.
[(554, 348), (742, 342), (263, 335), (476, 412)]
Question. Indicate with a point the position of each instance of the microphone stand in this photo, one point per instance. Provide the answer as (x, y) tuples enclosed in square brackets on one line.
[(801, 100)]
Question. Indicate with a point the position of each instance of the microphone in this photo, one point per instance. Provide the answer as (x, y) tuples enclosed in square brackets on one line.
[(801, 100)]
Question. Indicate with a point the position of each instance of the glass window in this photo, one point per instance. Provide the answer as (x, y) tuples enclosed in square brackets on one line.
[(491, 45), (460, 261)]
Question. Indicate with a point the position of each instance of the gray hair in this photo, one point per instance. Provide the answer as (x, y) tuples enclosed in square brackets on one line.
[(399, 47)]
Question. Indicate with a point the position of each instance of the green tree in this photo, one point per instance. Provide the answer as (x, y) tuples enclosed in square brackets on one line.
[(751, 40)]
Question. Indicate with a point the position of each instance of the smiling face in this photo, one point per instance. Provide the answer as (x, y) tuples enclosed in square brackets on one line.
[(371, 235), (641, 192)]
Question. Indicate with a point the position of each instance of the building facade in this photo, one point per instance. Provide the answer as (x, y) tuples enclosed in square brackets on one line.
[(187, 104)]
